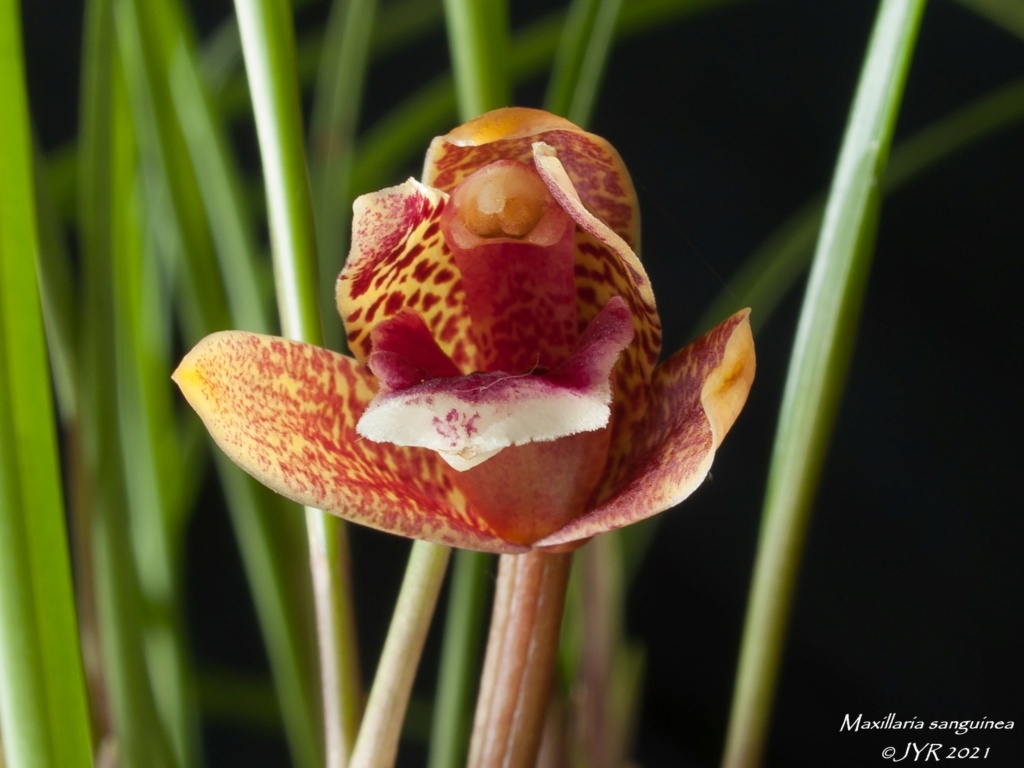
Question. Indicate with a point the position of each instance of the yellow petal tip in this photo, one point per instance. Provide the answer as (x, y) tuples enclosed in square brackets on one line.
[(187, 375), (726, 389)]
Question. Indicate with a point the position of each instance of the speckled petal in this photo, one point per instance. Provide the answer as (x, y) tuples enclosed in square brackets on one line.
[(399, 260), (596, 170), (286, 413), (696, 396), (606, 266), (615, 267)]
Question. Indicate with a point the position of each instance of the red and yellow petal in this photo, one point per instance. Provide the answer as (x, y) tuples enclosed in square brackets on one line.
[(606, 264), (596, 170), (606, 267), (696, 396), (399, 261), (286, 413)]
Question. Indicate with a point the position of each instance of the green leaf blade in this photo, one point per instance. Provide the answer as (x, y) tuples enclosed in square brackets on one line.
[(818, 367), (43, 710)]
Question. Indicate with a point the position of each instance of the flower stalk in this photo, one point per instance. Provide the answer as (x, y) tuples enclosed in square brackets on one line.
[(377, 743), (515, 687)]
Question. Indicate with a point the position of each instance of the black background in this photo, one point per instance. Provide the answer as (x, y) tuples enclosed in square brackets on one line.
[(910, 593)]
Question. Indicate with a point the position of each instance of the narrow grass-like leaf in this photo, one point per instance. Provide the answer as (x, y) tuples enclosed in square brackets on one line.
[(59, 301), (268, 46), (581, 58), (184, 144), (269, 533), (43, 711), (109, 223), (336, 104), (230, 222), (146, 31), (774, 267), (153, 469), (151, 456), (772, 270), (479, 47), (404, 21), (149, 722), (266, 526), (398, 138), (1008, 14), (602, 605), (818, 368)]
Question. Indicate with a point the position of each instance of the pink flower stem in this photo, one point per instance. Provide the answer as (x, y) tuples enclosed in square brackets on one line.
[(515, 686)]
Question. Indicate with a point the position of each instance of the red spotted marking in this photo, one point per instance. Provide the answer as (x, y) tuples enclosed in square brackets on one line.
[(399, 261)]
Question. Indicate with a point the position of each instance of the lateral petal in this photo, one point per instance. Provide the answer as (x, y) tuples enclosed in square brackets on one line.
[(696, 396), (606, 266), (602, 272), (399, 261), (285, 412)]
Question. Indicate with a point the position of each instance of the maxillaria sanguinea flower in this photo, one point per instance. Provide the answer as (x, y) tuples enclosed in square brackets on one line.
[(504, 392)]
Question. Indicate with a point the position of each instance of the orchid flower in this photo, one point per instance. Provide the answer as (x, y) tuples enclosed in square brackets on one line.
[(504, 393)]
